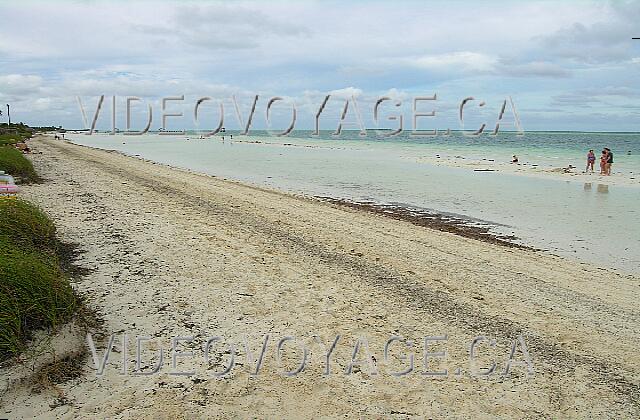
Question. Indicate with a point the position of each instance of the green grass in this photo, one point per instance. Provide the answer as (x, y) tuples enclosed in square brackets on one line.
[(27, 226), (13, 162), (10, 139), (14, 134), (34, 292)]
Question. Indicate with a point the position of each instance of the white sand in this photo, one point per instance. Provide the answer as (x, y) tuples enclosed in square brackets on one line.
[(539, 171), (177, 253)]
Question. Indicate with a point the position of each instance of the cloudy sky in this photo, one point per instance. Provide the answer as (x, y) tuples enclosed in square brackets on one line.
[(568, 65)]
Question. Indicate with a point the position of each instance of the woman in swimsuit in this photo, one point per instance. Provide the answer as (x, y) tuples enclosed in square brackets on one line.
[(603, 162), (591, 158)]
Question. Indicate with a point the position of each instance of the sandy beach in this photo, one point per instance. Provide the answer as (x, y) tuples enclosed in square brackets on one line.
[(176, 253), (576, 174), (537, 205), (569, 171)]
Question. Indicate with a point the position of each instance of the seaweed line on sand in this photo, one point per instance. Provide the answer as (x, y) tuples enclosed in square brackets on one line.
[(431, 220)]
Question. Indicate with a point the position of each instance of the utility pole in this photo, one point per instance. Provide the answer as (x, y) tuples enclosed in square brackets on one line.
[(8, 115)]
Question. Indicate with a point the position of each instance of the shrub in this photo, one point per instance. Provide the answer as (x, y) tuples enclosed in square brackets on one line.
[(13, 162), (14, 134), (27, 226), (9, 139), (34, 292)]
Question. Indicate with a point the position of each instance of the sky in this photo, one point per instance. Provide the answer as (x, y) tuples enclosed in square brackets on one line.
[(568, 65)]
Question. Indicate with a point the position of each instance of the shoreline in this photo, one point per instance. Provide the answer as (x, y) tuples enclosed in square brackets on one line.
[(433, 220), (175, 253), (462, 220), (534, 171), (524, 169), (455, 161), (455, 224)]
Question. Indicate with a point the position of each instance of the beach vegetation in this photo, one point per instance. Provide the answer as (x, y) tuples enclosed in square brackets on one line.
[(14, 133), (10, 138), (35, 292), (13, 162)]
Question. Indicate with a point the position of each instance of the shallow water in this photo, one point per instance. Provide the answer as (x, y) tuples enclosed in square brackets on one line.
[(589, 221)]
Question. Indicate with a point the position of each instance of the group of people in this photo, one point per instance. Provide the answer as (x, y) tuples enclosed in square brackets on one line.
[(606, 160)]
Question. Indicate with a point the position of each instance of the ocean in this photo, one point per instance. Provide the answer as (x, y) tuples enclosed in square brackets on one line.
[(584, 217)]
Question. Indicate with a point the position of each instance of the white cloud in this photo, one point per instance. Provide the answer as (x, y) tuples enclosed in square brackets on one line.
[(457, 61), (604, 41), (534, 69), (346, 93), (307, 49), (19, 84), (586, 98)]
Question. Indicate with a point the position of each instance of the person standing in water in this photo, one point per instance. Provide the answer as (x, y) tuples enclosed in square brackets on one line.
[(603, 162), (591, 158), (609, 161)]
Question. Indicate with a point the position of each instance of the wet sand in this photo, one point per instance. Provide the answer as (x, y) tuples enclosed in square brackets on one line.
[(529, 169), (174, 253), (457, 225)]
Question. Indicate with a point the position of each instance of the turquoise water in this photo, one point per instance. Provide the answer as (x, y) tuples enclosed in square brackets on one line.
[(552, 149), (589, 221)]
